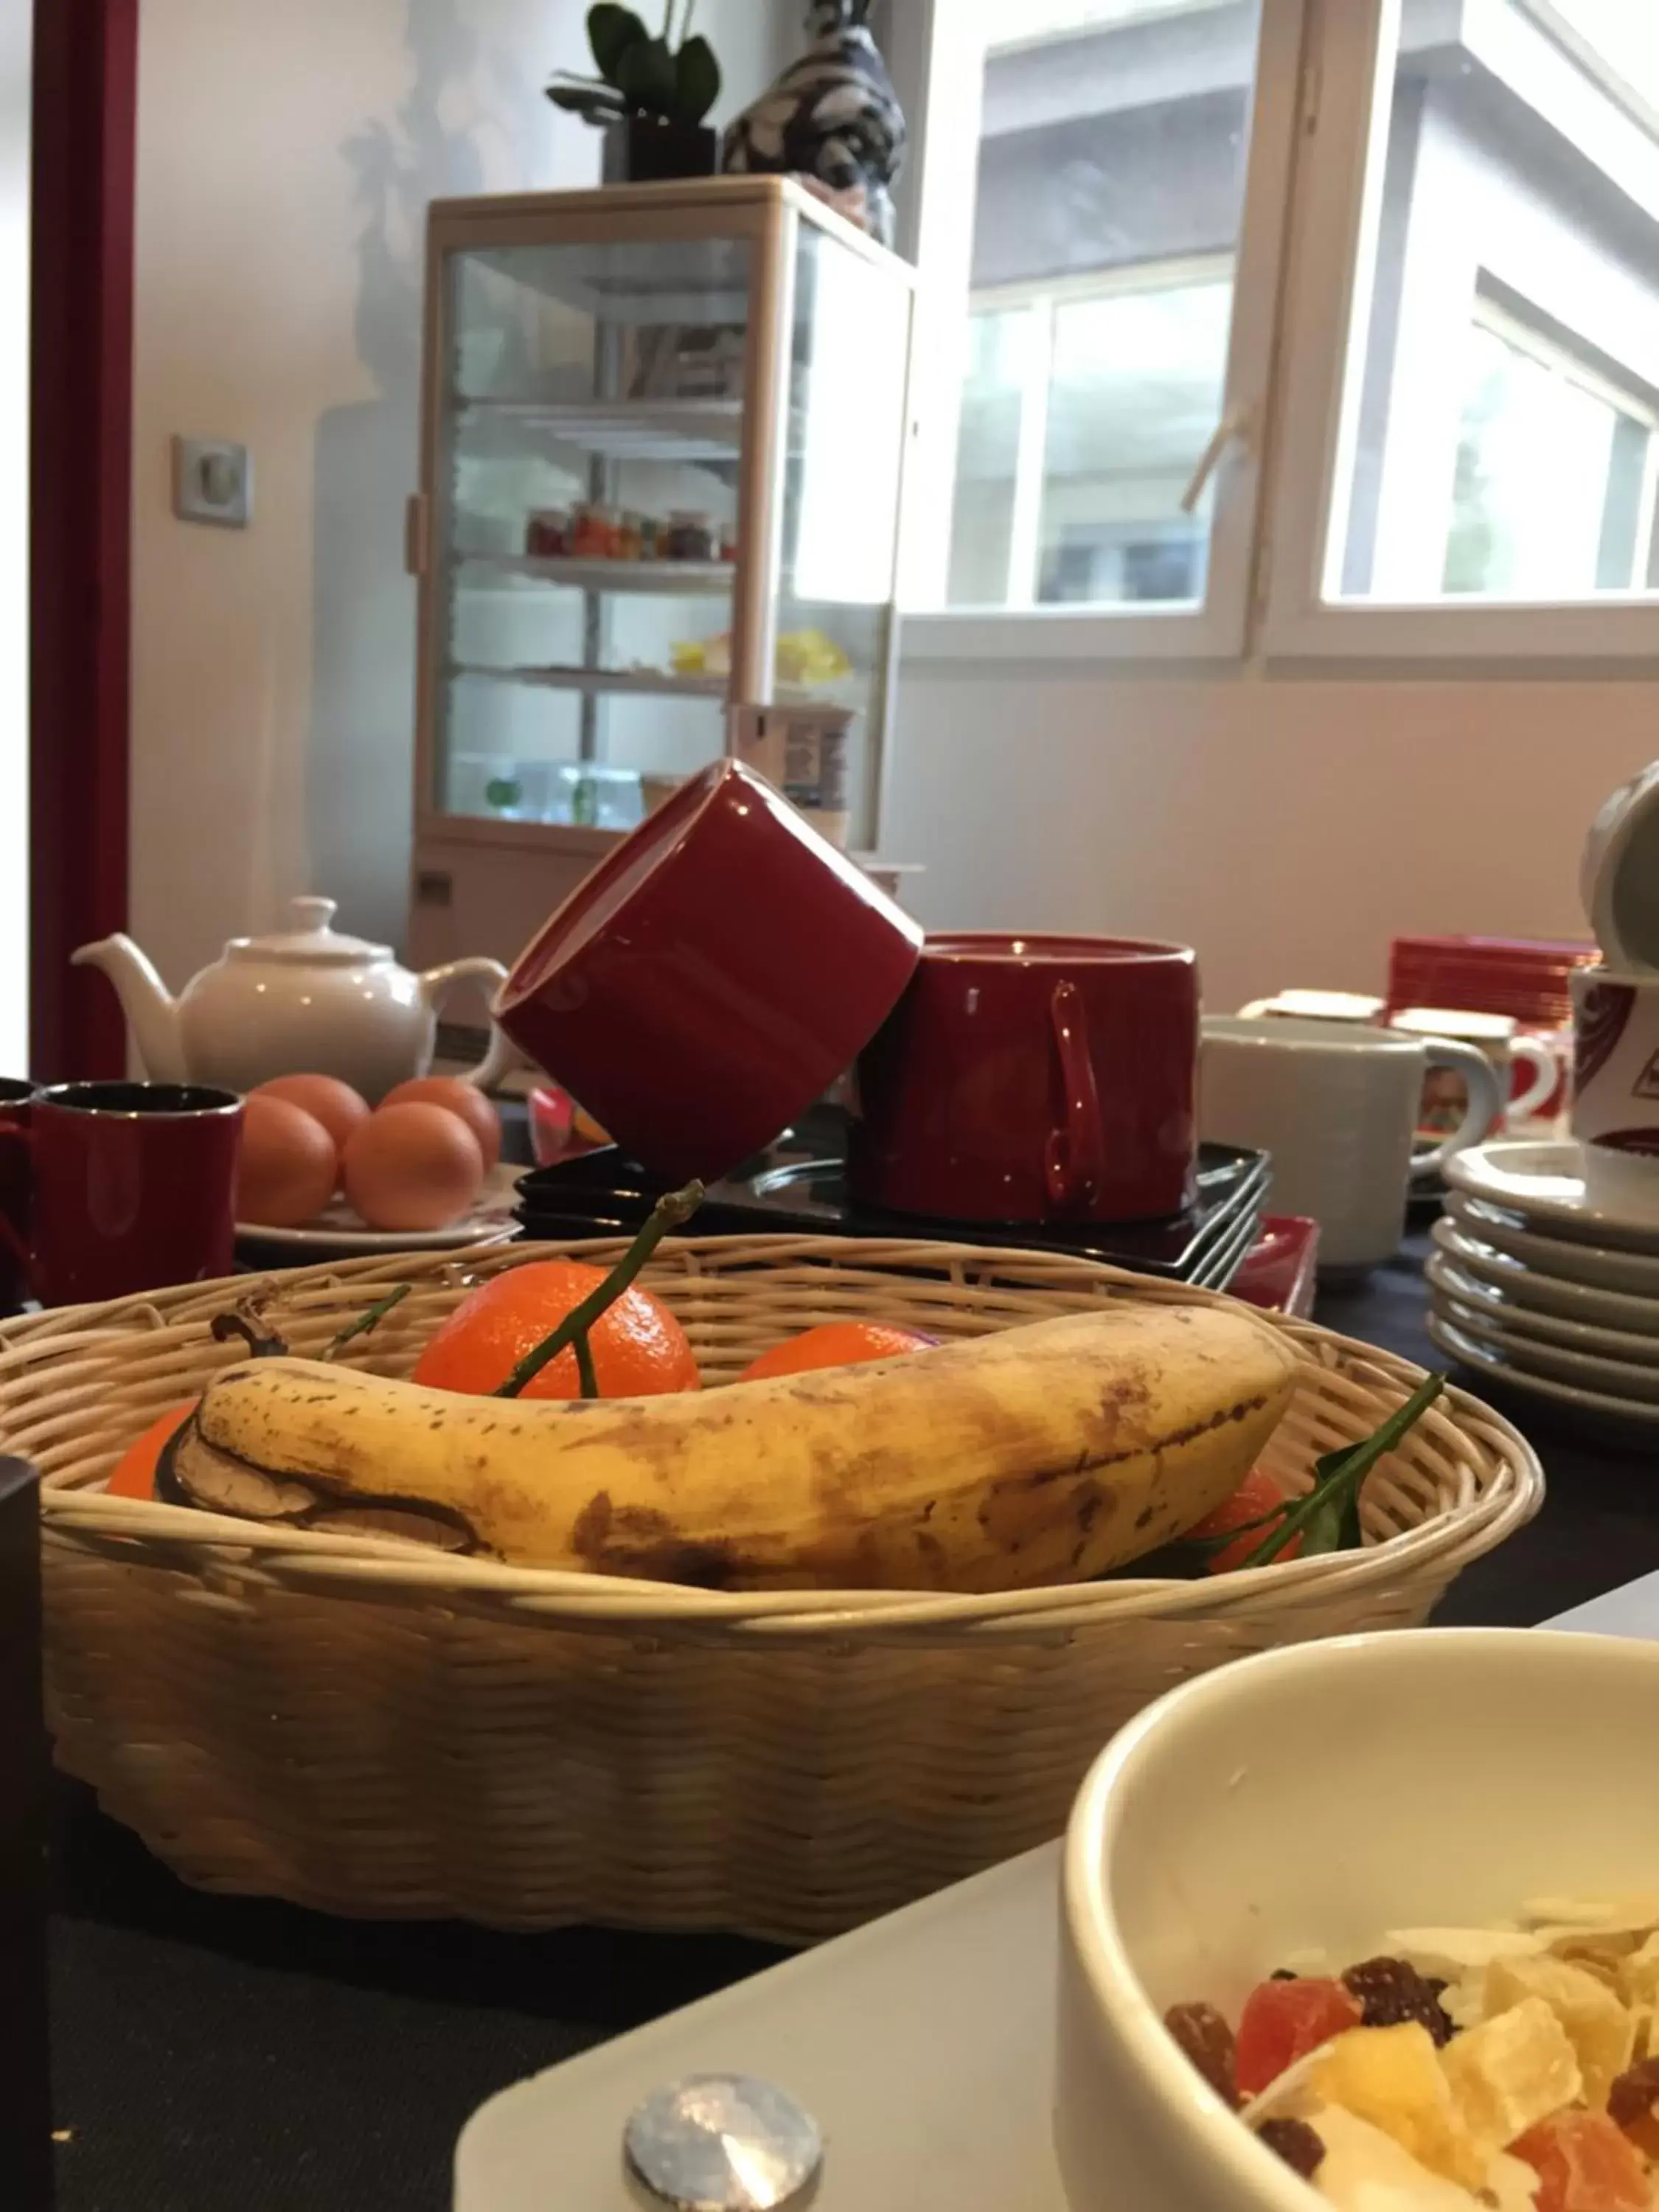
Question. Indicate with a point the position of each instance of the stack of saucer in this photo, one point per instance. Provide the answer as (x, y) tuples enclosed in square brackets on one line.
[(1553, 1293)]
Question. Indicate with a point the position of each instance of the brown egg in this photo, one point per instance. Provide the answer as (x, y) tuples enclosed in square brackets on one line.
[(289, 1164), (463, 1098), (413, 1166), (335, 1105)]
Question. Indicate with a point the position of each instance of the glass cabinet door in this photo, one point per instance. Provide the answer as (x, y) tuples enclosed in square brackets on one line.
[(848, 358), (591, 412)]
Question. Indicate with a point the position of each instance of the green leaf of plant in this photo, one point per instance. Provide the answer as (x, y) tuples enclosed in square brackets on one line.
[(1327, 1518), (699, 80), (647, 77), (611, 30), (594, 103)]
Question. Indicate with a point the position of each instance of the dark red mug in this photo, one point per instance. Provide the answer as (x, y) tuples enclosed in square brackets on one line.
[(1033, 1079), (131, 1186), (711, 977), (16, 1206)]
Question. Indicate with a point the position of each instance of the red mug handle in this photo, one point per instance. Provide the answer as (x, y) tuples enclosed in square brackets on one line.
[(11, 1235), (1075, 1161)]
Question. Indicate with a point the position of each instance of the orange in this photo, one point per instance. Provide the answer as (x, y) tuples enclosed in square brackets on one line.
[(135, 1470), (640, 1350), (1257, 1499), (835, 1344)]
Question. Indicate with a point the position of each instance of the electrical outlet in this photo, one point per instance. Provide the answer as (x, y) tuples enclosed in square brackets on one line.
[(212, 482)]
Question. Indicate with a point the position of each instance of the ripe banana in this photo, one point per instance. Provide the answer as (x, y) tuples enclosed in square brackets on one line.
[(1043, 1454)]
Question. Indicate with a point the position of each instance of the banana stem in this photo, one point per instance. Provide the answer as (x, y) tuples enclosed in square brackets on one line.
[(366, 1323), (669, 1211)]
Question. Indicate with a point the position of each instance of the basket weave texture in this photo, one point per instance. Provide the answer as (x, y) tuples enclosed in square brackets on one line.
[(374, 1730)]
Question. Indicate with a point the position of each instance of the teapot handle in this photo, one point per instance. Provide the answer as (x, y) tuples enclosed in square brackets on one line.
[(503, 1056)]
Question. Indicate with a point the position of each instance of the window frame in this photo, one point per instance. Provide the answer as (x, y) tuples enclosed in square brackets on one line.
[(1351, 62), (939, 72)]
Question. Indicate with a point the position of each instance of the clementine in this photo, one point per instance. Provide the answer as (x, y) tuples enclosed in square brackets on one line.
[(135, 1470), (835, 1344), (639, 1349)]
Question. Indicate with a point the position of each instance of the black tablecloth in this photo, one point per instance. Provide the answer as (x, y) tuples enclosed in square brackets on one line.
[(226, 2055)]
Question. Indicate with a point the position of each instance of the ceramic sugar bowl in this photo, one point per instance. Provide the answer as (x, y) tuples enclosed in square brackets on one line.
[(303, 999)]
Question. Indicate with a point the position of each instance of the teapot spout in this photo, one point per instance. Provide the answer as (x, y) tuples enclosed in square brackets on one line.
[(152, 1013)]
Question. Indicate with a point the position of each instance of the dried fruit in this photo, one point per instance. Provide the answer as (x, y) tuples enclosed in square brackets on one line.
[(1583, 2165), (1391, 1990), (1633, 2106), (1297, 2143), (1392, 2077), (1207, 2040), (1282, 2021)]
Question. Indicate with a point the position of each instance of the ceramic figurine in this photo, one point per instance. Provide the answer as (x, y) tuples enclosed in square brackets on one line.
[(832, 116)]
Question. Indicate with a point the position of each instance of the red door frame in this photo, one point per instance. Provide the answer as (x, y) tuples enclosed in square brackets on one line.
[(85, 114)]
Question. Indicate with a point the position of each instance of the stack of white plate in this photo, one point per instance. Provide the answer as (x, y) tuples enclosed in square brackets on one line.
[(1556, 1296)]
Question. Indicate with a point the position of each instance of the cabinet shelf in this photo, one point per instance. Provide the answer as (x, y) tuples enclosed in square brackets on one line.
[(652, 683), (622, 429), (674, 580)]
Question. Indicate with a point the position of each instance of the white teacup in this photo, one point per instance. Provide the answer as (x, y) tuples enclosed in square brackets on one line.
[(1615, 1107), (1336, 1104)]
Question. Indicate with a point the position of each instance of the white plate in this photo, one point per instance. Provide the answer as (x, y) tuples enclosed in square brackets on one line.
[(1540, 1182), (1619, 1378), (338, 1232), (1466, 1242), (1561, 1256), (1474, 1353), (1500, 1308)]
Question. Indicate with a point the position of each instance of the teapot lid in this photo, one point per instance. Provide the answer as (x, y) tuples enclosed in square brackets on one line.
[(308, 940)]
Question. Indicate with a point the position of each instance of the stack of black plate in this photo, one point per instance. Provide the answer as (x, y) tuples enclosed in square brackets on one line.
[(798, 1186)]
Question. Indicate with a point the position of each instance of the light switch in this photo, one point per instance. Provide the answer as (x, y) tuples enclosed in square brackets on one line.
[(212, 482)]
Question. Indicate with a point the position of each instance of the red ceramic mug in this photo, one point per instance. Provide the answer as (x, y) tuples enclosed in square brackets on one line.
[(131, 1186), (1033, 1079), (711, 978), (16, 1204)]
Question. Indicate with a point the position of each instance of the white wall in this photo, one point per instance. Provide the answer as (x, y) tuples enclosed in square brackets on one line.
[(286, 155), (15, 24), (1286, 828)]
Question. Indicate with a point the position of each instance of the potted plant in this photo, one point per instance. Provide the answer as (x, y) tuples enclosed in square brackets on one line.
[(650, 95)]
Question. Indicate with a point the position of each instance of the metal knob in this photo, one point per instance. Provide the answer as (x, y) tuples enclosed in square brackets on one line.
[(724, 2142)]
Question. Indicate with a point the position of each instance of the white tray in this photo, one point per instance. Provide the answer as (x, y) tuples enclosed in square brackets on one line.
[(923, 2045)]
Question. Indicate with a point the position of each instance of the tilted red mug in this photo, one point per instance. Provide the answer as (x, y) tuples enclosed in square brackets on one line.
[(711, 977), (127, 1186), (1033, 1079)]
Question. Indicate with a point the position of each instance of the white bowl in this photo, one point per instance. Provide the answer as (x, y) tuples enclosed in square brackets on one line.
[(1319, 1796)]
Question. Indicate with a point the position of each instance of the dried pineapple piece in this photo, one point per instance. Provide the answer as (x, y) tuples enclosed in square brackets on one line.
[(1392, 2076), (1600, 2028), (1638, 1975), (1366, 2170), (1514, 2070)]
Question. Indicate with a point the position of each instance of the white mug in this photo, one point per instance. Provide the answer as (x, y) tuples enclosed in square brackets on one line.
[(1615, 1106), (1336, 1105), (1503, 1042)]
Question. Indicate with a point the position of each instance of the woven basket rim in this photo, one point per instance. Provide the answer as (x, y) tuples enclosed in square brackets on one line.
[(186, 1539)]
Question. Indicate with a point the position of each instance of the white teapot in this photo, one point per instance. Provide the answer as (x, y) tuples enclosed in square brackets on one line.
[(303, 1000)]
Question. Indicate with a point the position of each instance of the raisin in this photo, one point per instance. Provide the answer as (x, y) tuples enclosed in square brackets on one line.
[(1208, 2042), (1391, 1990), (1283, 1974), (1633, 2106), (1297, 2143)]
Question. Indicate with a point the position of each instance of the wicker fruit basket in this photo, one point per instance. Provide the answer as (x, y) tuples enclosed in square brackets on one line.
[(374, 1730)]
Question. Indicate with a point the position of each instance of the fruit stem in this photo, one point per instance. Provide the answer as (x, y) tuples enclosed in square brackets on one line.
[(367, 1322), (584, 1367), (671, 1210)]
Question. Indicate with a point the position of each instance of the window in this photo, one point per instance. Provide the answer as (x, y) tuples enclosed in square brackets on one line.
[(1103, 218), (1456, 385), (1483, 192), (1085, 409)]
